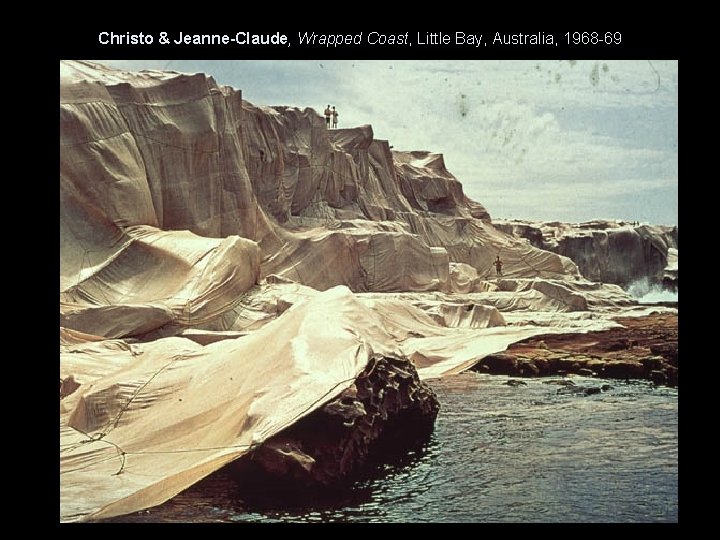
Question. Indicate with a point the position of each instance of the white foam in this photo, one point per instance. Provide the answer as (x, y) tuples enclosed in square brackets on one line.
[(644, 292)]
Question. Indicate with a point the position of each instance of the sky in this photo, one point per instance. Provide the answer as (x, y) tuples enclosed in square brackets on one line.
[(538, 140)]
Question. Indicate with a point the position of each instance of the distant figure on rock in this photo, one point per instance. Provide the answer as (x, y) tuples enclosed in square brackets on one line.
[(334, 115), (498, 265), (328, 112)]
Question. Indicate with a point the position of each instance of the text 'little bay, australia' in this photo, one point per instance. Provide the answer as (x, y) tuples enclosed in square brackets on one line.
[(477, 40)]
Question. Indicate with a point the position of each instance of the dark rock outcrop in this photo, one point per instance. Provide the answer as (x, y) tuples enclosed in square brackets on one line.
[(499, 364), (623, 369), (560, 382), (387, 409), (645, 348), (581, 390), (619, 256)]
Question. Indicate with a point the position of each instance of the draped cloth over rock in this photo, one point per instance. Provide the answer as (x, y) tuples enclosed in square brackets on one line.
[(177, 411)]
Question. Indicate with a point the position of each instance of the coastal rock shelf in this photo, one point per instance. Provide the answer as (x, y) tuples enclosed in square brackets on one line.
[(608, 251), (642, 348)]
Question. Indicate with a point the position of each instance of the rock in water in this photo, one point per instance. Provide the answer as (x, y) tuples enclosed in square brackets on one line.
[(623, 369), (498, 364), (560, 382), (658, 377), (579, 390), (386, 411)]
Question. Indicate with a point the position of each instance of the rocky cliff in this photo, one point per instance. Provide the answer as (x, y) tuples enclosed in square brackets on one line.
[(607, 251), (165, 177)]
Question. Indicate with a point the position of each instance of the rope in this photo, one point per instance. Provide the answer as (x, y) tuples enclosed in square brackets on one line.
[(122, 454), (112, 424), (97, 438)]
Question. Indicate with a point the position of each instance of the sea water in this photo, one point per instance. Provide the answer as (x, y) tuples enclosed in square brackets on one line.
[(499, 453)]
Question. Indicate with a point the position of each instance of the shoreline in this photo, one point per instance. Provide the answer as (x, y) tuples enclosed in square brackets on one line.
[(644, 347)]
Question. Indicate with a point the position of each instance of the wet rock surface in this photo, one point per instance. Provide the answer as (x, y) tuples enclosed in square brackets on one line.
[(580, 390), (644, 348), (387, 410)]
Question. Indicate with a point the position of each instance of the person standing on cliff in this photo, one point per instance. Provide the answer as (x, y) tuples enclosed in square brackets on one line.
[(334, 115), (328, 112), (498, 265)]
